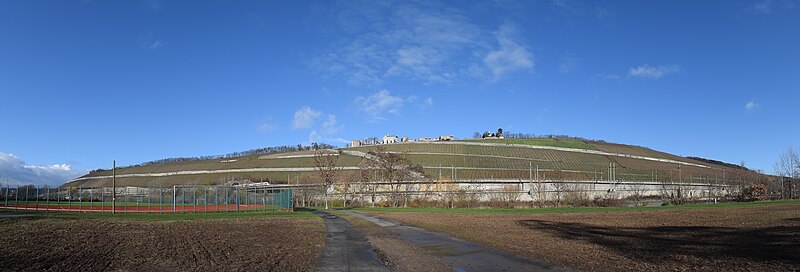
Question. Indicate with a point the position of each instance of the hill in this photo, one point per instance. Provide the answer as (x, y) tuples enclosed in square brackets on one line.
[(472, 159)]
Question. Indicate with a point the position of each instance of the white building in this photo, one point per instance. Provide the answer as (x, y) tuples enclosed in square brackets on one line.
[(355, 143), (389, 139)]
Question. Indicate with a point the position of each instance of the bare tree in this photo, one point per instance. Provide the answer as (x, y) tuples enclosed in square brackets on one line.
[(325, 163), (557, 179), (637, 191), (397, 170), (788, 164)]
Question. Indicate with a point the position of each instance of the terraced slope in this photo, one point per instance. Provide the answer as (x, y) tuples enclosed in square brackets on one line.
[(569, 159)]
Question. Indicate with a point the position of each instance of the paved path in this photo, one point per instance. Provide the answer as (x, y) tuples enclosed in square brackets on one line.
[(346, 248), (462, 255)]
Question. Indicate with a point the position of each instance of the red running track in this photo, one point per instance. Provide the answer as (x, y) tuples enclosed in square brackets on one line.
[(134, 209)]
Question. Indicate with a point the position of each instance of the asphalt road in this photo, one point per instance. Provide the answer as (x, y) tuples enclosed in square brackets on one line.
[(346, 248)]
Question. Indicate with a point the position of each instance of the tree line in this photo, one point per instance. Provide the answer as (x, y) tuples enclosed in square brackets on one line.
[(252, 152)]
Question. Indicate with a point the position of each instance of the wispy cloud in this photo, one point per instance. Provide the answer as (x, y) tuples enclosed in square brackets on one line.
[(578, 8), (403, 40), (154, 5), (751, 106), (568, 63), (653, 72), (378, 104), (330, 126), (509, 57), (769, 6), (156, 45), (305, 117), (267, 125), (18, 172), (416, 41), (428, 103)]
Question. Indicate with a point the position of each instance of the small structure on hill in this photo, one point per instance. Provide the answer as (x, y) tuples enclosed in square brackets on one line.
[(389, 139), (489, 135)]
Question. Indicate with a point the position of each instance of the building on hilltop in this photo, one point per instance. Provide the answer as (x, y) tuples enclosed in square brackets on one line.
[(389, 139), (489, 135), (355, 143), (427, 139), (447, 138)]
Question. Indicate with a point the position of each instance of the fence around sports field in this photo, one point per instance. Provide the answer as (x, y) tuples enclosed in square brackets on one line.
[(175, 199)]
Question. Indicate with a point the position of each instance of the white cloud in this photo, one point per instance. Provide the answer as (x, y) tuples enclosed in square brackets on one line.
[(156, 45), (267, 126), (19, 173), (509, 57), (751, 106), (379, 103), (315, 137), (330, 126), (568, 63), (305, 117), (769, 6), (416, 41), (653, 72), (428, 102)]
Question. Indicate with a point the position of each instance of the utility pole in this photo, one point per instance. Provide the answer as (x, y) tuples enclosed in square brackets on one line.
[(114, 187)]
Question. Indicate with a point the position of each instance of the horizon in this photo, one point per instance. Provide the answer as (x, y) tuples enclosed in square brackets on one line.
[(87, 82)]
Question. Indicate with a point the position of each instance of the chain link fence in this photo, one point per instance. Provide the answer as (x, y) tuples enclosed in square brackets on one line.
[(175, 199)]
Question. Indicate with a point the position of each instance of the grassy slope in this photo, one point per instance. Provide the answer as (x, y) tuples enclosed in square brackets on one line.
[(489, 160)]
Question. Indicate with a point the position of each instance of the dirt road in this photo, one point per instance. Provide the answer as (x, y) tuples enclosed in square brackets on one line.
[(462, 255)]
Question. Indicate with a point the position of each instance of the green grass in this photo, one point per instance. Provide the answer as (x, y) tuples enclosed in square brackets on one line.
[(164, 216), (554, 142), (584, 209)]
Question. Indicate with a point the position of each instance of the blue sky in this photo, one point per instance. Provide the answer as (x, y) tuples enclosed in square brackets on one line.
[(85, 82)]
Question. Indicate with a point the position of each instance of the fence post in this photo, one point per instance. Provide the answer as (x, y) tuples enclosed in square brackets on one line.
[(102, 198), (16, 197), (160, 199), (91, 199), (37, 197), (148, 199), (174, 198), (226, 200), (47, 198), (194, 196), (80, 199), (237, 198), (7, 187)]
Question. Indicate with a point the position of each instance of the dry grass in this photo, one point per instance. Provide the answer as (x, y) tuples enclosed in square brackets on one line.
[(763, 238)]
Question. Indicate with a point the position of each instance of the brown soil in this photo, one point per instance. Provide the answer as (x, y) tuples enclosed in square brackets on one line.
[(399, 254), (742, 239), (216, 245)]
